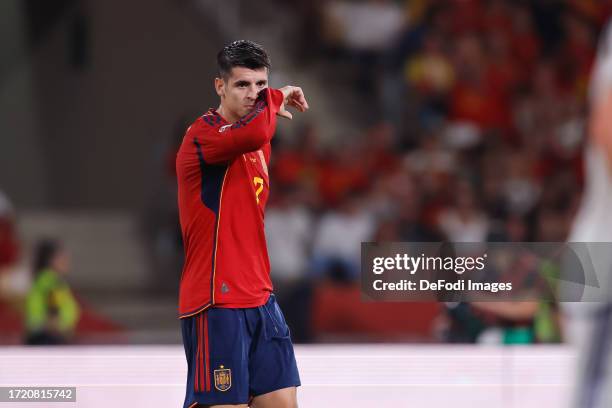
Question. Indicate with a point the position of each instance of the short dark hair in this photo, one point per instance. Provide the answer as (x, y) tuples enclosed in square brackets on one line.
[(242, 53), (46, 249)]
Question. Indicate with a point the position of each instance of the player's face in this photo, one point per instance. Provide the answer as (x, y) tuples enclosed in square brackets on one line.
[(239, 90)]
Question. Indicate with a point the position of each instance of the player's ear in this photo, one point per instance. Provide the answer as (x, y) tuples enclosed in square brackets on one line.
[(220, 87)]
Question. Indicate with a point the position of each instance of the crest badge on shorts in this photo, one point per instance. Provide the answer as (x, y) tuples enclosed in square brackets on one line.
[(223, 378)]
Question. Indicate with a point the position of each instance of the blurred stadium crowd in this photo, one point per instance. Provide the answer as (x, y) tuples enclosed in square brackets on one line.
[(473, 118), (476, 114)]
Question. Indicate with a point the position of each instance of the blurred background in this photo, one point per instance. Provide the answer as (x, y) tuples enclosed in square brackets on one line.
[(430, 120)]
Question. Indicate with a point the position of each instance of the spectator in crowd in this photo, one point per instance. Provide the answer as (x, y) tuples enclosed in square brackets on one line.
[(464, 221), (51, 312), (289, 234), (337, 242), (480, 138)]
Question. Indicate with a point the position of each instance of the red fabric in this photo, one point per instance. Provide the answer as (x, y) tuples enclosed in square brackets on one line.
[(526, 47), (338, 178), (9, 248), (223, 188), (90, 323), (206, 351), (484, 104), (338, 309), (291, 167), (197, 384), (467, 16), (581, 56), (10, 320)]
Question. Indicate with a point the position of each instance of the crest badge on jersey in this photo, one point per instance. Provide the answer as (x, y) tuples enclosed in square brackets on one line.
[(223, 378)]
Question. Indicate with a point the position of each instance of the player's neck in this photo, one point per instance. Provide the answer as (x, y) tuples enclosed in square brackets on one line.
[(225, 114)]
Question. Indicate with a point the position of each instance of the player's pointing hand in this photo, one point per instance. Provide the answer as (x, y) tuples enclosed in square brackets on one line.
[(294, 97)]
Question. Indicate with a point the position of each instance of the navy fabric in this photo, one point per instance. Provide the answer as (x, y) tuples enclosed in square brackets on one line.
[(254, 344), (212, 176)]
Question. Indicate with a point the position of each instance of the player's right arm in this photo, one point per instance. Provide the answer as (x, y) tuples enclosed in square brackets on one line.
[(294, 96), (221, 143)]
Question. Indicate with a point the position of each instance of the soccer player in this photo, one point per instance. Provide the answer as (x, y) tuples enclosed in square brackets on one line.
[(236, 340)]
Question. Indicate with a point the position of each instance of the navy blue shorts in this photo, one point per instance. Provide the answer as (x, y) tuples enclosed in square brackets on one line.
[(236, 354)]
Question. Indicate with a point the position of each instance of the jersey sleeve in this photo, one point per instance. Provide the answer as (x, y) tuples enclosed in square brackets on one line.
[(221, 143)]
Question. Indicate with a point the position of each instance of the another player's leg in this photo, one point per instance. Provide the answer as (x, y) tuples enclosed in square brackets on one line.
[(283, 398)]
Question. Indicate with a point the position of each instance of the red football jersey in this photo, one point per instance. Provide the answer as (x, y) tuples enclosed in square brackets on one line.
[(223, 187)]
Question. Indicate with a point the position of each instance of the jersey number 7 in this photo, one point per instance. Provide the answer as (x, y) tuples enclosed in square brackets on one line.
[(258, 182)]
